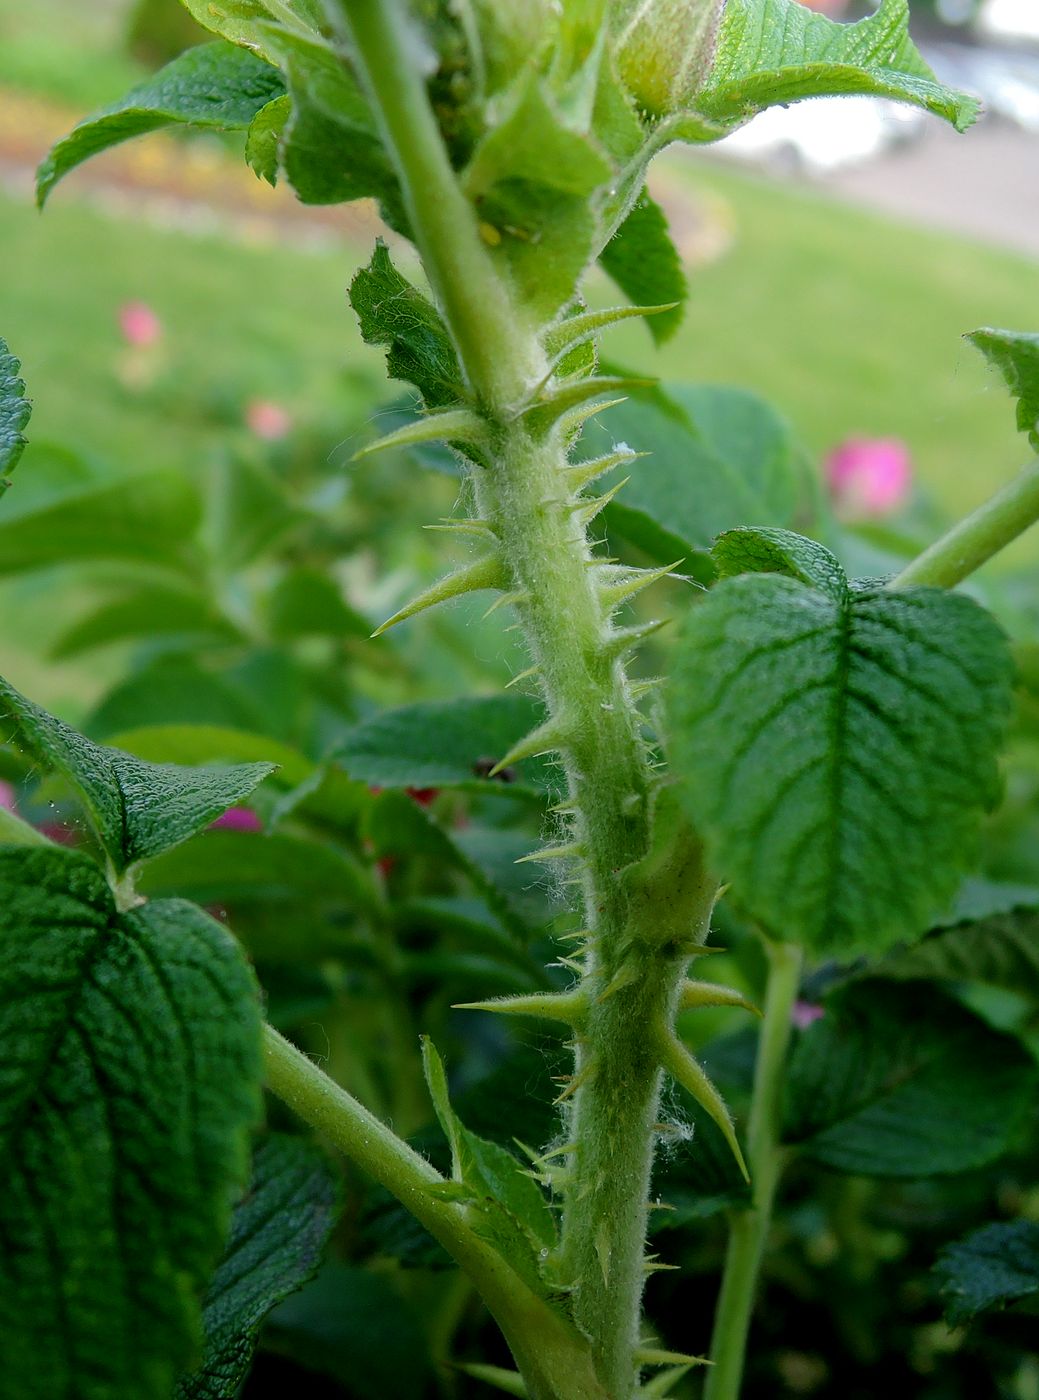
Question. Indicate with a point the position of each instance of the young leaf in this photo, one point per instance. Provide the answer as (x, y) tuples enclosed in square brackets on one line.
[(532, 179), (644, 263), (15, 409), (514, 1215), (778, 51), (212, 85), (767, 551), (836, 752), (278, 1232), (1016, 355), (442, 743), (392, 313), (892, 1083), (130, 1055), (247, 22), (991, 1267), (264, 137), (137, 809)]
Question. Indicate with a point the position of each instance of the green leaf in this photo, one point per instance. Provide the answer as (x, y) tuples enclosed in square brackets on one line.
[(991, 1267), (130, 1071), (15, 410), (531, 180), (513, 1214), (175, 690), (151, 518), (137, 809), (440, 743), (644, 263), (15, 832), (392, 313), (247, 22), (1016, 355), (330, 149), (212, 85), (894, 1083), (772, 52), (306, 602), (836, 753), (264, 138), (150, 611), (1001, 950), (186, 744), (766, 551), (718, 457), (278, 1233)]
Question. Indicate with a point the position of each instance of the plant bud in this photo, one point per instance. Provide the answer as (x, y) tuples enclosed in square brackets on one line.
[(664, 49)]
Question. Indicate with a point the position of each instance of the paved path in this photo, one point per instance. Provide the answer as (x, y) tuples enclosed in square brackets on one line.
[(982, 184)]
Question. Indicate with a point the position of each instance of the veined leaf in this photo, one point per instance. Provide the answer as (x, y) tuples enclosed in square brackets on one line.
[(130, 1071), (836, 751), (644, 263), (211, 85), (1016, 355), (15, 409), (993, 1266), (890, 1083), (392, 313), (442, 744), (137, 809), (772, 52), (246, 22), (1001, 950), (278, 1232)]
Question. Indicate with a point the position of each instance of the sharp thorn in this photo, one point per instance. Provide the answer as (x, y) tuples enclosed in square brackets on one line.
[(455, 425), (483, 573), (696, 994)]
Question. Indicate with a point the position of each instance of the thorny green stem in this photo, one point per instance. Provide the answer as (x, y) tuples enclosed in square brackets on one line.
[(749, 1227), (975, 540), (631, 970), (553, 1357)]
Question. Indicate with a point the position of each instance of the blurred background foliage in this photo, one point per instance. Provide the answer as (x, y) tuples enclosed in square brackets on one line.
[(190, 566)]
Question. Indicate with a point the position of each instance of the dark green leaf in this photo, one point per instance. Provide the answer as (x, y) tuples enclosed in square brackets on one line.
[(355, 1325), (211, 85), (644, 263), (137, 809), (765, 551), (176, 690), (392, 313), (905, 1082), (444, 744), (836, 753), (278, 1232), (14, 412), (1001, 950), (131, 1073), (993, 1266), (1016, 355), (151, 518), (772, 52)]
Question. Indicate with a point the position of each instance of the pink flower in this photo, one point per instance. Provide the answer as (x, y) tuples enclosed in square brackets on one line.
[(804, 1013), (139, 324), (267, 420), (869, 476), (6, 796), (237, 819)]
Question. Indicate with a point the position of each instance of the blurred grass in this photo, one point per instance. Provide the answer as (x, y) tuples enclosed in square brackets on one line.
[(71, 50)]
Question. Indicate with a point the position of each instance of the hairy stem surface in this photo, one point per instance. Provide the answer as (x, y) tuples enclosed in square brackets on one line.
[(749, 1228)]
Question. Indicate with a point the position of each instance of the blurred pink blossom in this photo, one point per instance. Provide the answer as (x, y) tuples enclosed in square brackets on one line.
[(238, 819), (267, 420), (869, 476), (139, 324), (804, 1013), (6, 796)]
